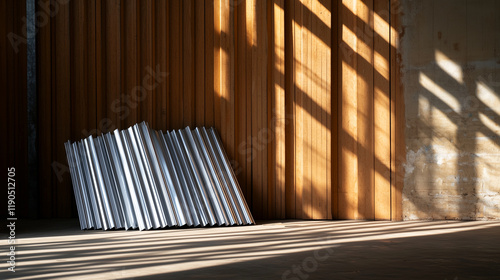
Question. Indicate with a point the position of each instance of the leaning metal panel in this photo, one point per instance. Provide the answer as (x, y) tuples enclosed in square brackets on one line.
[(139, 178)]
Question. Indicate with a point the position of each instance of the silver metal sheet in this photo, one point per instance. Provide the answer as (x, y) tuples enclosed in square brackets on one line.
[(184, 205), (81, 189), (234, 182), (76, 186), (130, 177), (180, 178), (162, 177), (117, 176), (145, 179), (190, 176), (218, 166), (205, 184)]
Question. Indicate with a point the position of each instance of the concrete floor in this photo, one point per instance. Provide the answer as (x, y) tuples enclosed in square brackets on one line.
[(291, 249)]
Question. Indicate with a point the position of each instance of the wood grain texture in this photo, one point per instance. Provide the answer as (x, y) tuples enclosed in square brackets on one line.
[(335, 109), (364, 66), (175, 95), (304, 94), (188, 69), (161, 58), (382, 112), (241, 97), (129, 115), (348, 188), (397, 123), (44, 87), (199, 60), (13, 60), (278, 120), (289, 112), (246, 145), (61, 103)]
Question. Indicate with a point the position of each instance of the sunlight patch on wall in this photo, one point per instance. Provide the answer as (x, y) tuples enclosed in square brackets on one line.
[(488, 97), (449, 66), (439, 92), (489, 123)]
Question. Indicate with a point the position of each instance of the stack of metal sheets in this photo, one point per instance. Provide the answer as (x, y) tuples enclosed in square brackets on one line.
[(147, 179)]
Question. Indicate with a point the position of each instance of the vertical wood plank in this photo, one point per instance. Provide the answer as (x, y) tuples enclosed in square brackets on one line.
[(176, 95), (100, 29), (156, 78), (230, 41), (91, 66), (188, 89), (258, 112), (255, 83), (53, 156), (14, 95), (209, 63), (263, 135), (348, 188), (146, 81), (320, 80), (79, 91), (199, 60), (299, 110), (131, 71), (217, 69), (307, 109), (62, 103), (382, 112), (289, 111), (107, 77), (22, 79), (227, 75), (4, 126), (364, 34), (270, 172), (327, 112), (44, 74), (315, 114), (261, 87), (241, 145), (335, 109), (161, 56), (249, 150), (278, 109), (112, 61), (397, 123)]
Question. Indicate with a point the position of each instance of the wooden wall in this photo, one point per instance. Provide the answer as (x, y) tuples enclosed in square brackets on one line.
[(302, 93), (364, 127), (13, 107), (110, 64)]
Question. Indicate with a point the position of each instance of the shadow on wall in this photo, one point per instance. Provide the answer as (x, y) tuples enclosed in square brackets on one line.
[(451, 80)]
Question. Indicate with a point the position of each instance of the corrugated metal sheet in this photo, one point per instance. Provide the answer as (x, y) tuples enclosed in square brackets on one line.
[(147, 179)]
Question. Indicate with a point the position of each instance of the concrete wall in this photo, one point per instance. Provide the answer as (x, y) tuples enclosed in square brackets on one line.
[(451, 80)]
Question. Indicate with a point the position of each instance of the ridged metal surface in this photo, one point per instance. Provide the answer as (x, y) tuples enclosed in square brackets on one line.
[(147, 179)]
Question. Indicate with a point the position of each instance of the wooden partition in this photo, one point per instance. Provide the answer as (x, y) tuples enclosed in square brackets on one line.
[(303, 92), (13, 107)]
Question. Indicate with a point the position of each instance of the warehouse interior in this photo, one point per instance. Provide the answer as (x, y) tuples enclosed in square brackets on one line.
[(364, 134)]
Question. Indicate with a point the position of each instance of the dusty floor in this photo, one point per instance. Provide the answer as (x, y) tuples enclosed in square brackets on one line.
[(291, 249)]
